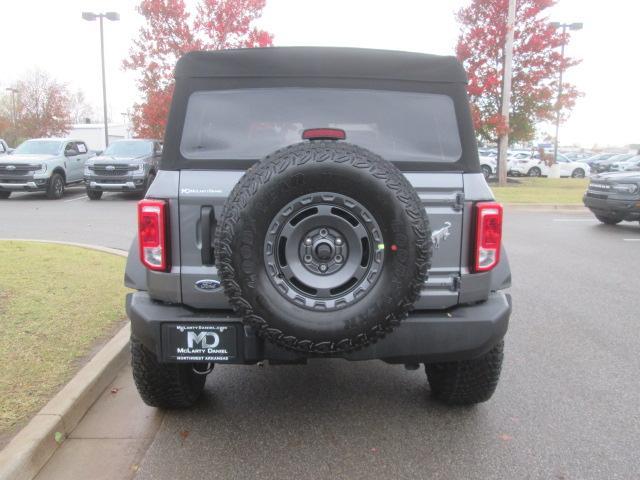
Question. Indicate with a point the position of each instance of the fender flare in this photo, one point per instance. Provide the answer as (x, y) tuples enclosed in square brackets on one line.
[(135, 275), (501, 275)]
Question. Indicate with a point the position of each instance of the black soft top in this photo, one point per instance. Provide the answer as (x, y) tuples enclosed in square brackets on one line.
[(328, 62)]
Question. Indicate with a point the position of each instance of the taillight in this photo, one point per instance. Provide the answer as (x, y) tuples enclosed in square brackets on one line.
[(488, 235), (152, 234)]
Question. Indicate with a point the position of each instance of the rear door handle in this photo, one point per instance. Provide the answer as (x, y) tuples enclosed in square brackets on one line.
[(207, 226)]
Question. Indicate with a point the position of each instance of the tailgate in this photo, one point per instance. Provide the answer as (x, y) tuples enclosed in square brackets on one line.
[(202, 196)]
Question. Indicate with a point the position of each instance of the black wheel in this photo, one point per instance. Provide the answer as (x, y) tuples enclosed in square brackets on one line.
[(4, 195), (486, 171), (55, 189), (577, 173), (164, 385), (609, 220), (94, 194), (467, 382), (324, 247), (534, 172)]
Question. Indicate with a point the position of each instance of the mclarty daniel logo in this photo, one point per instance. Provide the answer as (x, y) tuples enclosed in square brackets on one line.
[(204, 343), (202, 340)]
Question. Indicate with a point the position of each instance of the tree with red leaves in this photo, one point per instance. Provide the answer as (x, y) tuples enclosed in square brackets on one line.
[(170, 32), (536, 65), (42, 108)]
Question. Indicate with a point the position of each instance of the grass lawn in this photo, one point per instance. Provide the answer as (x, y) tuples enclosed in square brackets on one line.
[(56, 304), (543, 190)]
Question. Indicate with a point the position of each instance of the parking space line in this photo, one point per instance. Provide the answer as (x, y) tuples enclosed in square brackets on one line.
[(76, 198), (575, 220), (631, 239)]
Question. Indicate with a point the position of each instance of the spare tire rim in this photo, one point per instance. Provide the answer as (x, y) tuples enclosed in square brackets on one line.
[(324, 251)]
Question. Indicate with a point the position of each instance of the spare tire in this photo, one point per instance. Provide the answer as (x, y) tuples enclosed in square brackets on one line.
[(323, 247)]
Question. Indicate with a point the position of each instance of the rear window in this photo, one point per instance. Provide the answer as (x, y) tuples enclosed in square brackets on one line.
[(251, 123)]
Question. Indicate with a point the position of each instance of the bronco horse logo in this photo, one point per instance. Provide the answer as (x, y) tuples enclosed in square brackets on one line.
[(441, 235)]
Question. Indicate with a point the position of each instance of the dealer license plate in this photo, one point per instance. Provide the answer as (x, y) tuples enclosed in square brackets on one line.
[(194, 342)]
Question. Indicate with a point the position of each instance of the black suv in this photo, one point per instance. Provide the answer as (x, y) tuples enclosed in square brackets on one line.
[(318, 203), (614, 197)]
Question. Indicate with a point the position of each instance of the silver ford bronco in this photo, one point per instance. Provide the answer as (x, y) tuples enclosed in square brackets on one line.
[(318, 203)]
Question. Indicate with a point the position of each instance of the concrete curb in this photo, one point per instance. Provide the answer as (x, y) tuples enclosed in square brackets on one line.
[(34, 445), (113, 251)]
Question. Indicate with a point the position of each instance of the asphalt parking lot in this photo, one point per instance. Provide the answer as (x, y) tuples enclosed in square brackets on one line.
[(110, 222), (568, 405)]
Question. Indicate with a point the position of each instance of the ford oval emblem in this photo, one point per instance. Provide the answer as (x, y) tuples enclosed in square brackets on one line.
[(10, 167), (207, 285), (110, 167)]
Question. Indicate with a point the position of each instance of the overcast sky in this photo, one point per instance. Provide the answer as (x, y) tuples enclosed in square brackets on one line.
[(52, 36)]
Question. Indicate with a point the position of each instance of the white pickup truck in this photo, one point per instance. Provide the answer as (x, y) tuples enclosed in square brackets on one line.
[(44, 164), (4, 148)]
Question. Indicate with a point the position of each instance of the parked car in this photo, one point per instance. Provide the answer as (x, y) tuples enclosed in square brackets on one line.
[(602, 166), (629, 164), (488, 166), (4, 148), (125, 166), (513, 157), (597, 158), (488, 152), (578, 156), (614, 197), (285, 223), (533, 166), (44, 164)]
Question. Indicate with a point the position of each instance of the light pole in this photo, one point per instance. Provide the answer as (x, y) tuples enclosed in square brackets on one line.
[(503, 140), (564, 26), (113, 16), (13, 91)]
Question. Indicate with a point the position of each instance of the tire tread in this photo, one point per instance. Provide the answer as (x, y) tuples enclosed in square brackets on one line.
[(466, 382), (164, 385), (299, 154)]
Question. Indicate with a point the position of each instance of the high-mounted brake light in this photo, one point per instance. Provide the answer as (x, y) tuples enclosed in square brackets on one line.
[(488, 236), (152, 234), (324, 134)]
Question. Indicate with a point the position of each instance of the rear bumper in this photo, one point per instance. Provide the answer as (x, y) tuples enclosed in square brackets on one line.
[(625, 209), (455, 334)]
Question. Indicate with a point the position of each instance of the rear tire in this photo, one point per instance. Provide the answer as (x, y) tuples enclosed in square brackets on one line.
[(608, 220), (577, 173), (55, 189), (164, 385), (4, 195), (466, 382), (94, 194), (486, 171), (534, 172)]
